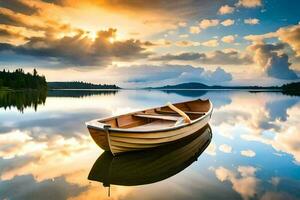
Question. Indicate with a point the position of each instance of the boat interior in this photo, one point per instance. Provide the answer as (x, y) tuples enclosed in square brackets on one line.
[(161, 117)]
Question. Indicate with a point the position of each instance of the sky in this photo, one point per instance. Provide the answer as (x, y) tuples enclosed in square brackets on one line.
[(153, 43)]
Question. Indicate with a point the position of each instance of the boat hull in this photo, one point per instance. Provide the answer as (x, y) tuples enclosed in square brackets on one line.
[(146, 167), (125, 141)]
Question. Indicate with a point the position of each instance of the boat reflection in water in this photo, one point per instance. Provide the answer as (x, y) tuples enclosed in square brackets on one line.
[(145, 167)]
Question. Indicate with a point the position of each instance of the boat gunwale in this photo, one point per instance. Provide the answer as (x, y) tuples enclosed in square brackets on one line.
[(107, 127)]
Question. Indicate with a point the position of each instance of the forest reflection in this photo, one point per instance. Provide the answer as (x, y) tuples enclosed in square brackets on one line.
[(22, 100)]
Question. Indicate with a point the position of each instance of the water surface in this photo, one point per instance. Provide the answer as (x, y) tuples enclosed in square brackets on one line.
[(47, 153)]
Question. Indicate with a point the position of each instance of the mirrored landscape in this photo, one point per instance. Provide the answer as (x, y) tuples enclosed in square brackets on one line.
[(251, 150)]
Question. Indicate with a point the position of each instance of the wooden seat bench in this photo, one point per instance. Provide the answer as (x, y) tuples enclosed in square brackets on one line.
[(162, 117), (172, 112)]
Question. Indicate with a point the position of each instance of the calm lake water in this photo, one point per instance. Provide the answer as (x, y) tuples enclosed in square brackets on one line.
[(46, 151)]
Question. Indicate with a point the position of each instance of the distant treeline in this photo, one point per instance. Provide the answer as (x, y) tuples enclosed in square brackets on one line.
[(291, 88), (18, 80), (79, 85)]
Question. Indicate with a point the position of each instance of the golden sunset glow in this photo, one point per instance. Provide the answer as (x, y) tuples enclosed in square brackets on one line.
[(151, 34)]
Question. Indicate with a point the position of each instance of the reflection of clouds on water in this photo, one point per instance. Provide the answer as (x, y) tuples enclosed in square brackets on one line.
[(244, 182), (287, 138), (43, 154), (211, 149), (55, 123), (53, 143), (248, 153), (278, 108), (26, 187), (219, 98), (251, 116), (225, 148)]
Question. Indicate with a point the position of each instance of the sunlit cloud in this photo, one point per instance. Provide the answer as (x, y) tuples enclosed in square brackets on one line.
[(249, 3), (226, 9), (211, 43), (187, 43), (206, 23), (195, 30), (271, 59), (69, 34), (227, 22), (225, 148), (228, 39)]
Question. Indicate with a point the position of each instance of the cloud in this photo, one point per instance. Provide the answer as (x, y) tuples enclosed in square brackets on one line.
[(245, 183), (187, 43), (211, 149), (80, 49), (226, 9), (225, 148), (228, 39), (219, 75), (157, 75), (19, 6), (227, 22), (184, 36), (184, 8), (29, 188), (249, 3), (251, 21), (211, 43), (206, 23), (230, 57), (286, 137), (248, 153), (195, 30), (272, 61), (291, 36), (182, 24), (260, 38), (181, 56)]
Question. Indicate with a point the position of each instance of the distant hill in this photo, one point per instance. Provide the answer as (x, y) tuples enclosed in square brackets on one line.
[(79, 85), (192, 85), (196, 85)]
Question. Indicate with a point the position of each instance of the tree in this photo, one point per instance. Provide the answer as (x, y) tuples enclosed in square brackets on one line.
[(19, 80), (35, 72)]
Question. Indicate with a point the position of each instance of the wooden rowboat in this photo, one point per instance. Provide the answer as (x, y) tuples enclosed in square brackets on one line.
[(150, 128), (146, 167)]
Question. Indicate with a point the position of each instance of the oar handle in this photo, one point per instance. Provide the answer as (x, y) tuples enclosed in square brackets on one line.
[(180, 112)]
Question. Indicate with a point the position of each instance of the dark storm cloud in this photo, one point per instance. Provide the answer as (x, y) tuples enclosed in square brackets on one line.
[(18, 6), (10, 20), (216, 57), (80, 49)]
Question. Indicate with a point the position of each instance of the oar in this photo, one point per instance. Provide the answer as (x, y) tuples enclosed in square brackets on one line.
[(180, 112)]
